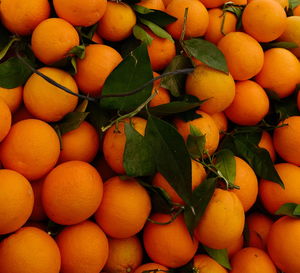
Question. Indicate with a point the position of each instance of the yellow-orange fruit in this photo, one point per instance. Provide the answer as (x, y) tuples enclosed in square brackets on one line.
[(12, 97), (153, 4), (205, 264), (149, 266), (266, 142), (5, 123)]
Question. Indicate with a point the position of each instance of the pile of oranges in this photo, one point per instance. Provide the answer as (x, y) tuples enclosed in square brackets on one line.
[(66, 202)]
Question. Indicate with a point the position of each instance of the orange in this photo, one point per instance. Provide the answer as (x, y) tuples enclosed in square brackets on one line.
[(266, 142), (264, 20), (217, 88), (80, 13), (153, 4), (124, 209), (97, 39), (296, 11), (52, 39), (259, 226), (80, 144), (46, 101), (5, 123), (38, 212), (286, 140), (114, 142), (243, 54), (212, 3), (273, 196), (21, 114), (16, 198), (29, 250), (92, 71), (12, 97), (250, 259), (117, 22), (21, 17), (298, 101), (31, 148), (167, 2), (220, 24), (221, 122), (150, 266), (284, 79), (125, 255), (197, 19), (247, 93), (283, 240), (162, 95), (283, 3), (204, 264), (72, 192), (170, 245), (83, 248), (198, 175), (235, 246), (222, 222), (205, 125)]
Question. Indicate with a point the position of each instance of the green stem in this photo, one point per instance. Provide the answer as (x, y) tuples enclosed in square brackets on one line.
[(173, 218)]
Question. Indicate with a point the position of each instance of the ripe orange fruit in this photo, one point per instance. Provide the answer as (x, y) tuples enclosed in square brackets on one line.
[(80, 144), (16, 198), (282, 81), (286, 140), (92, 71), (240, 111), (220, 24), (12, 97), (150, 266), (80, 13), (162, 95), (264, 20), (283, 240), (273, 196), (298, 101), (250, 259), (235, 246), (72, 192), (170, 245), (221, 122), (115, 140), (283, 3), (29, 250), (117, 22), (266, 142), (204, 264), (167, 2), (31, 148), (38, 212), (5, 123), (21, 17), (206, 125), (153, 4), (217, 88), (97, 39), (83, 248), (124, 209), (212, 3), (46, 101), (296, 11), (125, 255), (52, 39), (197, 19), (222, 222)]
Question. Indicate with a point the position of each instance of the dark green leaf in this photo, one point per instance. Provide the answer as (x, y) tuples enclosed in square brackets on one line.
[(171, 156), (195, 143), (219, 255), (187, 268), (74, 65), (294, 3), (207, 53), (236, 10), (78, 51), (286, 45), (71, 122), (226, 167), (4, 34), (251, 134), (5, 49), (157, 30), (140, 34), (289, 209)]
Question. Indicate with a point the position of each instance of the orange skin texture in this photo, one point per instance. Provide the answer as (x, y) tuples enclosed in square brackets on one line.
[(205, 264), (282, 81), (162, 96), (273, 196), (214, 29), (12, 97), (286, 140), (247, 93), (212, 3), (31, 148), (243, 54), (80, 13), (117, 22), (97, 39), (29, 250), (92, 71), (125, 255), (161, 245), (197, 20), (153, 4), (16, 198), (298, 101), (46, 101), (235, 246), (250, 260), (221, 122), (296, 11), (264, 20), (124, 209), (259, 226), (21, 17), (283, 3), (149, 266), (72, 192), (266, 142), (115, 140), (206, 125), (284, 239), (217, 88), (5, 123), (52, 39), (83, 248), (38, 212), (222, 222), (167, 2)]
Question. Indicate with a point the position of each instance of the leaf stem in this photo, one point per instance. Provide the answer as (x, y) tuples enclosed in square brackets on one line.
[(173, 218)]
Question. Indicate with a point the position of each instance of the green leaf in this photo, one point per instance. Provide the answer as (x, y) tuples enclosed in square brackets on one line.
[(219, 255), (74, 65), (195, 143), (5, 49), (157, 30), (4, 34), (78, 51), (226, 166), (134, 71), (176, 83), (207, 53), (138, 159), (286, 45), (294, 3), (171, 156), (285, 108), (71, 122), (140, 34), (289, 209)]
